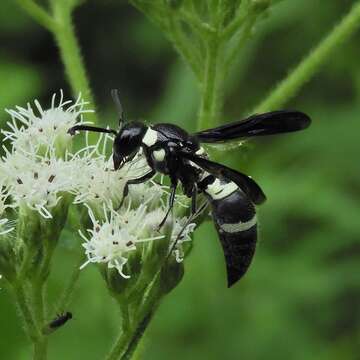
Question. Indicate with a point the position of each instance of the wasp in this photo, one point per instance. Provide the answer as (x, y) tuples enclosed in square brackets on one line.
[(232, 195)]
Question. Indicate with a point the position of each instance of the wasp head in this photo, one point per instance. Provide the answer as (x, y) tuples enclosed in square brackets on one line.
[(127, 143)]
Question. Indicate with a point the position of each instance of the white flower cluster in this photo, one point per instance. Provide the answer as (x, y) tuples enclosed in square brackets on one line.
[(116, 235), (35, 174), (36, 181), (4, 223), (29, 130)]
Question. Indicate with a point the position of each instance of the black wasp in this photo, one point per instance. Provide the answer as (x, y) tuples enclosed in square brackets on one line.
[(232, 195)]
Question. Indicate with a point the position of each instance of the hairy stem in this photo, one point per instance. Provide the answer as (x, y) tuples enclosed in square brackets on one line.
[(69, 289), (122, 341), (210, 89), (171, 26), (133, 327), (290, 86), (60, 25), (182, 44), (38, 14), (137, 336), (25, 310), (38, 302), (40, 349), (41, 343), (127, 341), (119, 346), (30, 323), (70, 54), (240, 41)]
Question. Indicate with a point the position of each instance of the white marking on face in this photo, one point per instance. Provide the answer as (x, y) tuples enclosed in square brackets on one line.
[(201, 151), (150, 137), (159, 155), (219, 191), (240, 226)]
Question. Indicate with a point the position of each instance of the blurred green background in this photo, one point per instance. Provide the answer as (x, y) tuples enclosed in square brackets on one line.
[(301, 297)]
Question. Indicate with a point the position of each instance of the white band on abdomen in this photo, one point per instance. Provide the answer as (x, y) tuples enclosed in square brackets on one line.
[(240, 226), (219, 191)]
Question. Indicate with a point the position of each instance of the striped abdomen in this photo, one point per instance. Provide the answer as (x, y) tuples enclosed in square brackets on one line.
[(235, 220)]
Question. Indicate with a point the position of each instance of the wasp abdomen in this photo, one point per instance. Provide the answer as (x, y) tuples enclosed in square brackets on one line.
[(235, 221), (239, 249)]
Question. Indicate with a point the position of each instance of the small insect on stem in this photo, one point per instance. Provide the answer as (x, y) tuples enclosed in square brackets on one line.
[(59, 321)]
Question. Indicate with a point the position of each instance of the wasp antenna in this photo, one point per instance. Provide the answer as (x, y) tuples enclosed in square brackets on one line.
[(116, 99), (72, 131)]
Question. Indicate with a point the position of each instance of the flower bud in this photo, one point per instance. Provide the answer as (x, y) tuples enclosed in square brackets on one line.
[(116, 283)]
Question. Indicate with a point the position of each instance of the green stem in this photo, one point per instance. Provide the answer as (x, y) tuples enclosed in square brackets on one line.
[(41, 343), (69, 290), (24, 307), (40, 349), (119, 346), (201, 28), (137, 336), (26, 261), (44, 266), (239, 41), (61, 26), (183, 45), (169, 22), (31, 325), (210, 90), (132, 331), (123, 339), (71, 55), (236, 24), (289, 87), (126, 321), (38, 302), (38, 14), (127, 341)]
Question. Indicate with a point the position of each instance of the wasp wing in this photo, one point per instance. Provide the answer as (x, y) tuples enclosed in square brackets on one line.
[(244, 182), (257, 125)]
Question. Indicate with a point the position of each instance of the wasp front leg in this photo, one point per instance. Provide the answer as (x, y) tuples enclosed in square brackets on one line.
[(139, 180), (173, 187), (193, 199)]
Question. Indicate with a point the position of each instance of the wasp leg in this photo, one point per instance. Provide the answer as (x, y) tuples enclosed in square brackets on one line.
[(193, 199), (139, 180), (171, 202), (188, 221)]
